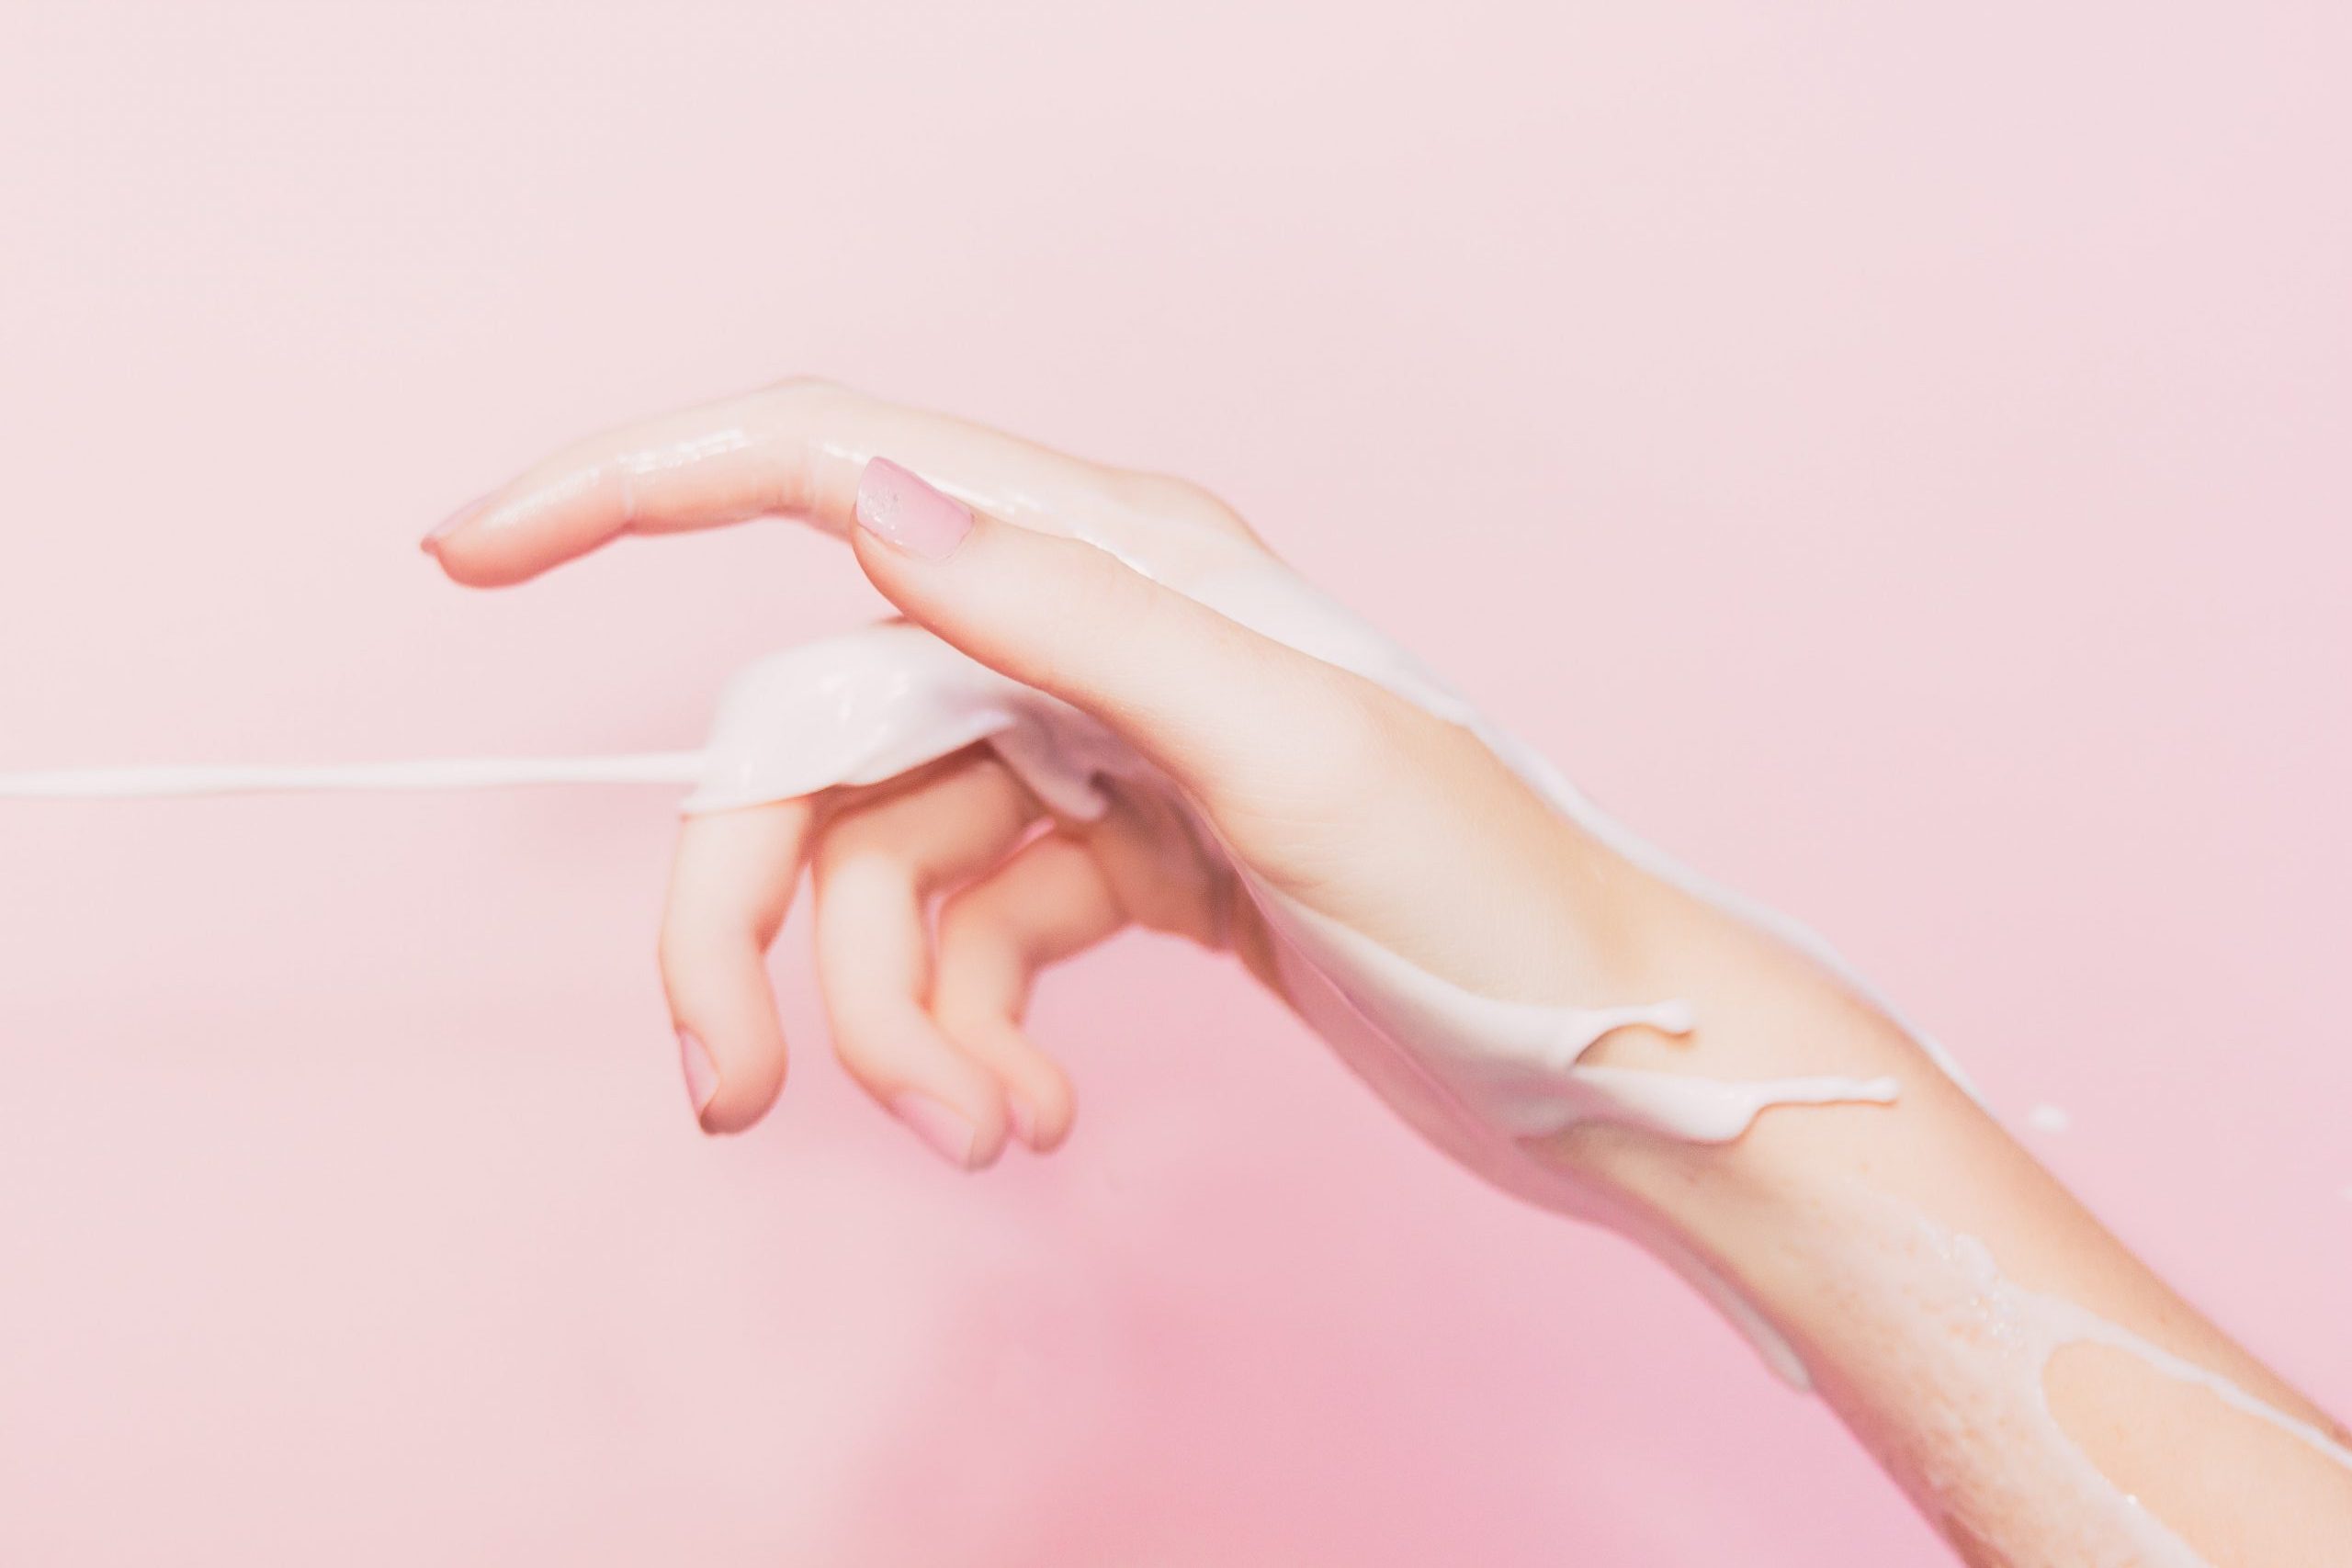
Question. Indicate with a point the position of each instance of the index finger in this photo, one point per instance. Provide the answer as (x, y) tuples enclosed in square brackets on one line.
[(791, 450)]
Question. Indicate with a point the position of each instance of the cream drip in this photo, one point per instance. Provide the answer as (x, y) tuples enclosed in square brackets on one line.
[(1474, 1074), (868, 707), (2005, 1467)]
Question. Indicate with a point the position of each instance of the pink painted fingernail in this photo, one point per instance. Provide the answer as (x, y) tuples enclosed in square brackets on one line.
[(451, 524), (895, 506), (940, 1127), (701, 1074)]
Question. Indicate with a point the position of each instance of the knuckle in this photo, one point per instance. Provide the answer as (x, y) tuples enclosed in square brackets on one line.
[(859, 1049), (1098, 600), (671, 959), (855, 838), (1167, 495), (1372, 741), (1108, 592), (964, 925), (686, 960), (966, 1014), (798, 392), (1328, 742), (1344, 721), (688, 946)]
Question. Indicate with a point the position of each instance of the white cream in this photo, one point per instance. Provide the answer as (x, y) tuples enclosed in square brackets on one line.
[(1475, 1075), (2048, 1118), (1929, 1311), (871, 705), (469, 772)]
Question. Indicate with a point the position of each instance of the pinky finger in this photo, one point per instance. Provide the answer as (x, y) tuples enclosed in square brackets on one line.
[(1049, 901)]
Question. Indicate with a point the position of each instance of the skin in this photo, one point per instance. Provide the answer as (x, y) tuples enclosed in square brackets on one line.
[(940, 896)]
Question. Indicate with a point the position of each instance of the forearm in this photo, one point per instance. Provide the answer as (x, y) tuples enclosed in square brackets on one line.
[(2010, 1362)]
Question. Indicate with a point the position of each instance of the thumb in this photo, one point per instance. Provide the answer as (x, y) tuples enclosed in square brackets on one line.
[(1216, 705)]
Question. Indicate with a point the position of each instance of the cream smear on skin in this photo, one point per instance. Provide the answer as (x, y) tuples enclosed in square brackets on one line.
[(2006, 1471), (867, 708), (1475, 1075)]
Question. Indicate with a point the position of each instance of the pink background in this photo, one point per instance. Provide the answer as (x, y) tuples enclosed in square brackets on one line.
[(1900, 461)]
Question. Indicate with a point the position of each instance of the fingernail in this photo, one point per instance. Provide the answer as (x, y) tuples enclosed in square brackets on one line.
[(940, 1127), (899, 508), (451, 524), (701, 1074)]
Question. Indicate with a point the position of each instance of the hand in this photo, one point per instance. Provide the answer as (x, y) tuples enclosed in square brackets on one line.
[(1265, 774), (1233, 758)]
